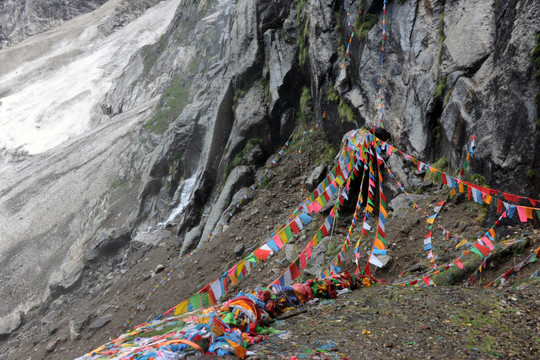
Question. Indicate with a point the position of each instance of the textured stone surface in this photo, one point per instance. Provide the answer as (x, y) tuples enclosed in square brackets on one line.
[(101, 321), (10, 323), (66, 277)]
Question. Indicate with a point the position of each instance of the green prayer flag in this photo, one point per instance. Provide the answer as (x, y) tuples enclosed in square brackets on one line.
[(477, 252), (288, 232), (195, 301)]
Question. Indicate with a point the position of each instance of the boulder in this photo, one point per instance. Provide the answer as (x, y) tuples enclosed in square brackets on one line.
[(10, 323), (101, 321), (239, 250), (110, 240), (65, 278), (191, 239), (400, 204), (315, 177)]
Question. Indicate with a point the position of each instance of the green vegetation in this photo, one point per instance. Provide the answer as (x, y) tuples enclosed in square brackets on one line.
[(194, 66), (302, 42), (401, 2), (332, 94), (441, 164), (441, 86), (85, 261), (305, 100), (478, 179), (327, 156), (305, 106), (173, 102), (441, 80), (531, 173), (447, 96), (363, 27), (116, 184), (535, 54), (265, 86), (238, 94), (299, 6), (151, 53), (239, 158), (442, 36), (455, 275), (266, 183), (346, 112)]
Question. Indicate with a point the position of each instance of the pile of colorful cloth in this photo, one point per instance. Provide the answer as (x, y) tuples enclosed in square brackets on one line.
[(221, 330)]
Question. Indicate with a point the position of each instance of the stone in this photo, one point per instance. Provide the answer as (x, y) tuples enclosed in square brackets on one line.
[(51, 346), (385, 259), (254, 212), (10, 323), (400, 204), (65, 278), (50, 317), (101, 321), (316, 176), (191, 239), (75, 328), (239, 250), (110, 240), (159, 268), (146, 240)]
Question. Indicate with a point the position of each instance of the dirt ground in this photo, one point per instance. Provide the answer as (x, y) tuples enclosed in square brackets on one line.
[(378, 322)]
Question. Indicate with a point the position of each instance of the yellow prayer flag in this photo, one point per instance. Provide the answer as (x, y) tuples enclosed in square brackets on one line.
[(487, 199), (452, 192), (283, 236), (181, 308), (461, 189), (462, 242), (430, 220)]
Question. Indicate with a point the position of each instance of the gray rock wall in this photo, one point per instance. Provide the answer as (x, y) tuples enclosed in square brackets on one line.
[(20, 19), (451, 70)]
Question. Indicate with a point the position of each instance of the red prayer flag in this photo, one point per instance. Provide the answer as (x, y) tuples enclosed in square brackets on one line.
[(262, 254), (294, 227), (295, 273), (484, 250)]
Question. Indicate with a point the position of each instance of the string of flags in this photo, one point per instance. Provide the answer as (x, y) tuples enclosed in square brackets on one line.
[(533, 257), (213, 292), (487, 255), (218, 227)]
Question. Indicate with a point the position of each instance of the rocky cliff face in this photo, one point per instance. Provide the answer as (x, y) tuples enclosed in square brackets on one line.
[(229, 81), (20, 19), (451, 70)]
